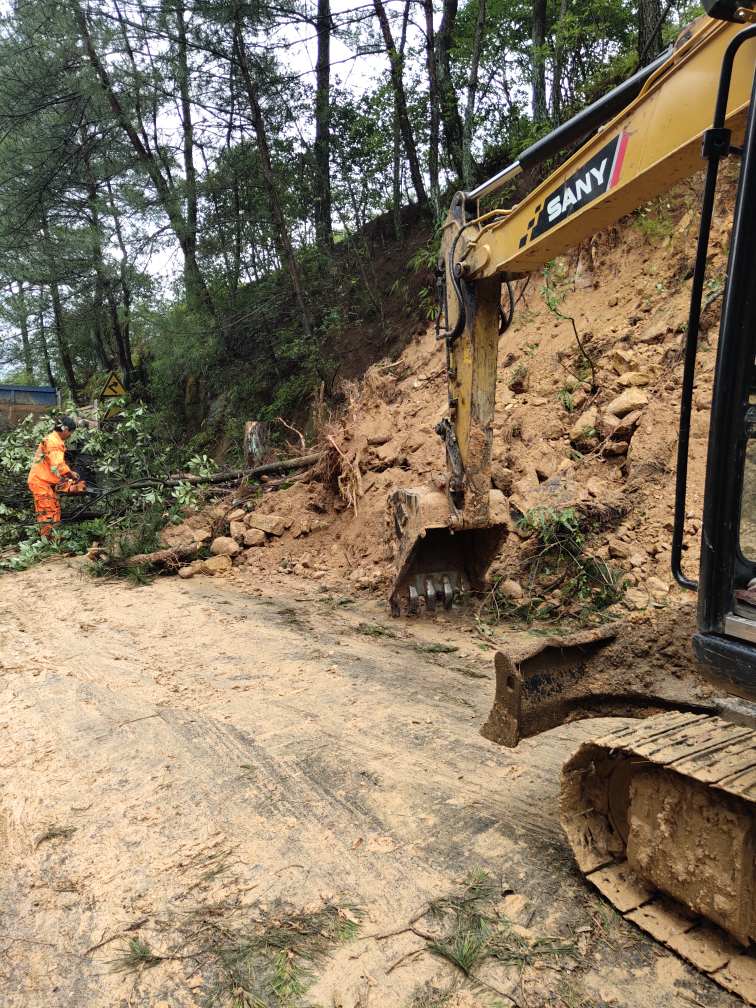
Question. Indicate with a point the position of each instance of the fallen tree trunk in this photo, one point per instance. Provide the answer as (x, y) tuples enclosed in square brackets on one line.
[(227, 477), (176, 554)]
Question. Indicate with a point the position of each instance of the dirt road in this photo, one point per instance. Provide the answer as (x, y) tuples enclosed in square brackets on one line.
[(193, 745)]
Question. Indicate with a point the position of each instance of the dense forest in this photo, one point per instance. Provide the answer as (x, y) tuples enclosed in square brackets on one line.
[(221, 199)]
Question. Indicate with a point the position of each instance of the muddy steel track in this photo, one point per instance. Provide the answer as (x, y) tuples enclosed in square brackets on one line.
[(127, 717)]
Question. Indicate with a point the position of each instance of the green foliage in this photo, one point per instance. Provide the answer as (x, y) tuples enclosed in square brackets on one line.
[(564, 394), (654, 219), (561, 580), (132, 448)]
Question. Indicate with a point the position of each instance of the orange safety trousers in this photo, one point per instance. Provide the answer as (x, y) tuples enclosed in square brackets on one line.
[(46, 504)]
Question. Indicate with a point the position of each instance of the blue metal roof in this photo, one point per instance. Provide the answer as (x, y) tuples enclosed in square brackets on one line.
[(28, 388)]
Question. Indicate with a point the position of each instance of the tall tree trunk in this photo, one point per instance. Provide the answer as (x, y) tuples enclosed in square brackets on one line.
[(468, 165), (433, 134), (270, 179), (166, 193), (23, 322), (396, 193), (194, 292), (122, 320), (101, 283), (538, 72), (45, 351), (397, 84), (449, 108), (60, 339), (649, 13), (323, 233), (556, 84)]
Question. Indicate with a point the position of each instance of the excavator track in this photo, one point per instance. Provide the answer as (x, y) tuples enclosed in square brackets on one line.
[(661, 817)]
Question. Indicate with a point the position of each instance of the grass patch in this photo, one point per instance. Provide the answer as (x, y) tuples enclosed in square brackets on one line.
[(260, 956), (135, 958), (440, 648), (478, 933), (376, 631)]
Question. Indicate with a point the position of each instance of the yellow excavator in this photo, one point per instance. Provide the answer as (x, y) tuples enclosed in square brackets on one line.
[(660, 815)]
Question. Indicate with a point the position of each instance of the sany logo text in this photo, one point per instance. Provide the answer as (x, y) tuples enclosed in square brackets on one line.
[(583, 187)]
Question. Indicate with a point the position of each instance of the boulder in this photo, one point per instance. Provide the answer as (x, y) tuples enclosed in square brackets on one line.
[(272, 524), (655, 584), (636, 378), (512, 589), (177, 535), (636, 598), (501, 477), (585, 422), (220, 564), (618, 549), (553, 431), (498, 508), (607, 424), (225, 546), (202, 535), (629, 401), (189, 571), (546, 465), (237, 530), (595, 486), (617, 448), (236, 516), (655, 332), (626, 426), (623, 361), (254, 537)]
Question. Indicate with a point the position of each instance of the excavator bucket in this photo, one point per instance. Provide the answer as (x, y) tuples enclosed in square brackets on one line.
[(435, 563)]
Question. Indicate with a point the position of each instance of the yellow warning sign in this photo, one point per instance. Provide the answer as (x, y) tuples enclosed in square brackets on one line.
[(113, 387), (112, 412)]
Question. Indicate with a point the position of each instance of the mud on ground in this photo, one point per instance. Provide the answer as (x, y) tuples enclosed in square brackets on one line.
[(311, 748)]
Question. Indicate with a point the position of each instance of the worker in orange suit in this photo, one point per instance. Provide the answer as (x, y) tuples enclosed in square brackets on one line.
[(50, 474)]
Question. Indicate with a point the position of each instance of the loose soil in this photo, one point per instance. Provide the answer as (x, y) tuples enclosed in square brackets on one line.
[(310, 745)]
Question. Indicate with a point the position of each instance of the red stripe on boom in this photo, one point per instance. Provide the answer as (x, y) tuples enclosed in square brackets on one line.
[(618, 160)]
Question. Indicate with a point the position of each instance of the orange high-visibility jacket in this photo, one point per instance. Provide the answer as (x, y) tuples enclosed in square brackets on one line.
[(49, 461)]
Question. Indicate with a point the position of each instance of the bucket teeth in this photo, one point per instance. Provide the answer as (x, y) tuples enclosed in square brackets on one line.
[(448, 592), (414, 599), (430, 595)]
